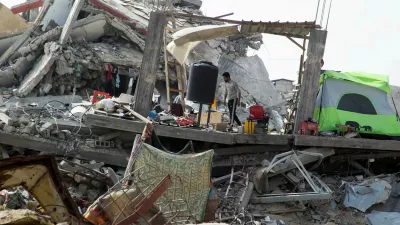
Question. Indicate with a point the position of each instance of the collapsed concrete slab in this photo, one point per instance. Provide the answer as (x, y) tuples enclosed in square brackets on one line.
[(253, 79), (52, 51)]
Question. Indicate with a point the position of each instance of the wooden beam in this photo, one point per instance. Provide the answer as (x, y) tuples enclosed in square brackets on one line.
[(170, 29), (312, 72), (302, 62), (309, 25), (137, 115), (73, 15), (346, 143), (181, 87), (186, 133), (147, 76), (224, 15), (295, 42), (166, 73)]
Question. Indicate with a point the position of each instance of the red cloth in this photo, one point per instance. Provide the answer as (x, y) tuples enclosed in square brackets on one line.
[(109, 72)]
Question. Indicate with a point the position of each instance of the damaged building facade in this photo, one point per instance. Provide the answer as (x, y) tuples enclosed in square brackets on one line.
[(101, 43), (69, 79)]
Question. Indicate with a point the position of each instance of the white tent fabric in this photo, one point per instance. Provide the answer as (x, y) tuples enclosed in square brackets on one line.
[(187, 39)]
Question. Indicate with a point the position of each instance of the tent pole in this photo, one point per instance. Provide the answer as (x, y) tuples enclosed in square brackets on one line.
[(395, 108)]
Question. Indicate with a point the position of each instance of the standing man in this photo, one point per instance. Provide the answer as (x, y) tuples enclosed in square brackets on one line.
[(232, 92)]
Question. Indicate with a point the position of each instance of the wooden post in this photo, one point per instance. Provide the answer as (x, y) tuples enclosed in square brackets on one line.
[(310, 80), (302, 62), (147, 76)]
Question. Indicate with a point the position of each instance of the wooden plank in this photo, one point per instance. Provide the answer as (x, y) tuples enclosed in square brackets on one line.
[(73, 15), (353, 143), (181, 87), (6, 119), (176, 90), (170, 29), (295, 42), (187, 133), (147, 76), (312, 72), (166, 73), (142, 118)]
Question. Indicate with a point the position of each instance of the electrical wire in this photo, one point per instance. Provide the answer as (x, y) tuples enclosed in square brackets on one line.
[(323, 12), (72, 138), (329, 13), (316, 14)]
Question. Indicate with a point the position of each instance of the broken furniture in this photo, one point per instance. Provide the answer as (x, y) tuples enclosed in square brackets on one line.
[(127, 205), (319, 189), (40, 176)]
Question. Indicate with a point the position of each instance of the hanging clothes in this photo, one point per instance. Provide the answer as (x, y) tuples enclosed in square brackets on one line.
[(109, 72)]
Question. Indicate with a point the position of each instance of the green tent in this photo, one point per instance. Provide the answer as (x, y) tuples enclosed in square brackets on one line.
[(356, 99)]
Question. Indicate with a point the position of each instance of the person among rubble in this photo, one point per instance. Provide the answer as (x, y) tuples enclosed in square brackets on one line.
[(232, 92)]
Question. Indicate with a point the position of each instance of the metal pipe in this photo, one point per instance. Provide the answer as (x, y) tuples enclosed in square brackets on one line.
[(199, 116), (209, 115), (358, 166)]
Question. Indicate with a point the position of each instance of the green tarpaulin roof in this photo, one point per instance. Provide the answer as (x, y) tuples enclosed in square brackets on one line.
[(369, 79)]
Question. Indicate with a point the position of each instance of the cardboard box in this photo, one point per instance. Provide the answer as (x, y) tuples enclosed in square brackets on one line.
[(215, 117)]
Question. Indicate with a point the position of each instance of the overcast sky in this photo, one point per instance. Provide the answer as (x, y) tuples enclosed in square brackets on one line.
[(363, 35)]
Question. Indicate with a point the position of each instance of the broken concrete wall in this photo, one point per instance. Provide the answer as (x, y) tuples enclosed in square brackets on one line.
[(57, 14), (52, 51)]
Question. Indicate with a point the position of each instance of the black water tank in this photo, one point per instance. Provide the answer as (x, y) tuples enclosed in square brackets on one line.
[(202, 82)]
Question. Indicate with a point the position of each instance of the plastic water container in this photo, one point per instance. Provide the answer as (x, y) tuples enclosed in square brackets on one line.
[(249, 127)]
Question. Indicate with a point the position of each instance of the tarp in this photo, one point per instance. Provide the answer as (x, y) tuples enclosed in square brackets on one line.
[(383, 218), (187, 39), (190, 176), (362, 197), (373, 80)]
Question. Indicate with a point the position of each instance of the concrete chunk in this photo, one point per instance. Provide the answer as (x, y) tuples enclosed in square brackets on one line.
[(41, 68), (6, 119)]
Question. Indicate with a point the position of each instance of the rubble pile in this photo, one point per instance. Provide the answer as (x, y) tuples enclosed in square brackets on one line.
[(60, 74), (354, 200), (86, 181), (81, 64)]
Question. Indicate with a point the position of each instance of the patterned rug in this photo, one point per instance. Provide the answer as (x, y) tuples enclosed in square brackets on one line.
[(188, 192)]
